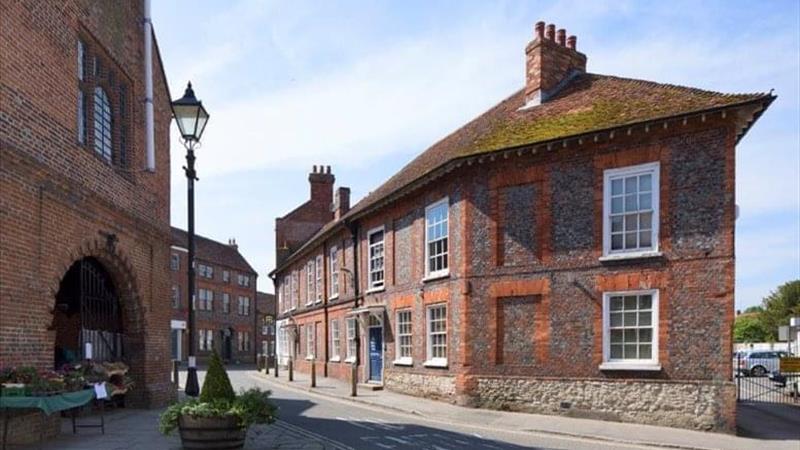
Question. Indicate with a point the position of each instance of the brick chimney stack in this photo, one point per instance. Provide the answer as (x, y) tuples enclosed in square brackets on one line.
[(341, 203), (551, 59), (321, 181)]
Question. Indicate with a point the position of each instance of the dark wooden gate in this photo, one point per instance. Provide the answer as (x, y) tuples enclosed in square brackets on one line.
[(101, 315)]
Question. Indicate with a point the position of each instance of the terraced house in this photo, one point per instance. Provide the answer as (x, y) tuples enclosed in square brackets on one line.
[(224, 302), (570, 251)]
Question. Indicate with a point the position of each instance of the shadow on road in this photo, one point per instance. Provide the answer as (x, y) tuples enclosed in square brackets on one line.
[(768, 421), (379, 433)]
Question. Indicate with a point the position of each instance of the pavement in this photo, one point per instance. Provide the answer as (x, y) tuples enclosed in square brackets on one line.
[(775, 432), (326, 417)]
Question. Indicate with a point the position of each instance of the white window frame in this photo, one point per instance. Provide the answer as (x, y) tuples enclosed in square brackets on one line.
[(310, 338), (336, 343), (350, 324), (653, 168), (175, 262), (430, 275), (399, 359), (438, 361), (319, 265), (295, 289), (651, 364), (287, 296), (334, 263), (176, 296), (226, 303), (226, 276), (376, 286), (310, 294)]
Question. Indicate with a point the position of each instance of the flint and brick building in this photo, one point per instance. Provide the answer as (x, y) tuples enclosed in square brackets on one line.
[(84, 212), (224, 303), (266, 313), (569, 251)]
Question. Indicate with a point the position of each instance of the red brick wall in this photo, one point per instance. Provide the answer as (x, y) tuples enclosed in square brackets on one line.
[(217, 319), (60, 200)]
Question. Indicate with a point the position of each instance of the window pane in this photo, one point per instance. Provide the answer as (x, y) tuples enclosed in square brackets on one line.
[(616, 320), (630, 240), (645, 301), (616, 242), (646, 335), (630, 319), (629, 336), (630, 185), (616, 224), (616, 336), (645, 238), (616, 303), (645, 351), (645, 319), (630, 351), (616, 205), (616, 351), (616, 186), (646, 221), (630, 302), (645, 201), (631, 203), (645, 182), (631, 222)]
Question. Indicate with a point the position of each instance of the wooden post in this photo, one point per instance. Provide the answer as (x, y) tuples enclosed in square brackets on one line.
[(353, 379), (175, 368), (313, 374), (276, 366), (291, 370)]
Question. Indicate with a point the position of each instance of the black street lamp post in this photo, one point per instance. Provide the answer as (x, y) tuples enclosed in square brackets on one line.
[(191, 118)]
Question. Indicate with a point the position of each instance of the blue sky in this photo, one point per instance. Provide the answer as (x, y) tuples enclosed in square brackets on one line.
[(365, 86)]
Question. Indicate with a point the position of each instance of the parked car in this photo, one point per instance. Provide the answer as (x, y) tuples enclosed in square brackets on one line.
[(758, 363)]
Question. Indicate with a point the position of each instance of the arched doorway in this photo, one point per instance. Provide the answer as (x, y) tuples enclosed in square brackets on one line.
[(88, 311)]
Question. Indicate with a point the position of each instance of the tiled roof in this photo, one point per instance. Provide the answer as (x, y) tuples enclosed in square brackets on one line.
[(589, 102), (212, 251)]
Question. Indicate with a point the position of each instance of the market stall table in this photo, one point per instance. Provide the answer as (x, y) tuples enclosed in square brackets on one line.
[(48, 405)]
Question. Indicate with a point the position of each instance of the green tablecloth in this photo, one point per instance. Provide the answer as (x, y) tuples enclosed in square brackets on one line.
[(50, 404)]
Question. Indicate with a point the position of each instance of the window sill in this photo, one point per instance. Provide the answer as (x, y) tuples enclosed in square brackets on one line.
[(436, 276), (333, 297), (335, 359), (375, 290), (310, 358), (643, 366), (350, 360), (436, 362), (403, 362), (631, 255)]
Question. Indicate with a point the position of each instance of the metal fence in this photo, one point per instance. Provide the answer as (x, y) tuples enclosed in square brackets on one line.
[(759, 380)]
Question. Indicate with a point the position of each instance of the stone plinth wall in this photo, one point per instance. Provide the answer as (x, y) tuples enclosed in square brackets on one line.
[(695, 405), (440, 387)]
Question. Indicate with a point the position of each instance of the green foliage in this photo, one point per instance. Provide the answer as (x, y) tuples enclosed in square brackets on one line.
[(760, 323), (249, 407), (749, 328), (217, 385), (779, 306)]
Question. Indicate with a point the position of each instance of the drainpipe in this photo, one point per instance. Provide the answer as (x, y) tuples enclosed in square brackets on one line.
[(149, 138)]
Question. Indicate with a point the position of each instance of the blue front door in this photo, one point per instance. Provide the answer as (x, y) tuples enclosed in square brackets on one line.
[(375, 353)]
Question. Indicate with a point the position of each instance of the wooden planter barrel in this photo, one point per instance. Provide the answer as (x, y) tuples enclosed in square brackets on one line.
[(211, 433)]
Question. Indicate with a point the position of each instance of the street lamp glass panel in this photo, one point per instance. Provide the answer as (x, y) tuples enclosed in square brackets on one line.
[(190, 115)]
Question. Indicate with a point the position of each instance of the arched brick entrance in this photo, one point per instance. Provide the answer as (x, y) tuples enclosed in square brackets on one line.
[(106, 257)]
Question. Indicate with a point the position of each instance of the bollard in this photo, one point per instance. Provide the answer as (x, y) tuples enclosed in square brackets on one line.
[(353, 380), (291, 370), (313, 374), (175, 368), (276, 367)]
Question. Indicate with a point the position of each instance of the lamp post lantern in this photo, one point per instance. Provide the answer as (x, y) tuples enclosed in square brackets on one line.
[(191, 117)]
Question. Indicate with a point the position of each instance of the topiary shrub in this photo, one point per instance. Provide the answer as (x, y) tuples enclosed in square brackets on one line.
[(217, 385)]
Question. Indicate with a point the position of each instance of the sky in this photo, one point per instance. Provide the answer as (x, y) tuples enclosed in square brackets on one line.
[(366, 86)]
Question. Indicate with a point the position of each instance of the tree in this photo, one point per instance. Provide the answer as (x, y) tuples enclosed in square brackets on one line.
[(217, 385), (779, 306), (749, 328)]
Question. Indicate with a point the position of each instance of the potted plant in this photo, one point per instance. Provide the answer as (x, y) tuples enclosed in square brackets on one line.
[(219, 418)]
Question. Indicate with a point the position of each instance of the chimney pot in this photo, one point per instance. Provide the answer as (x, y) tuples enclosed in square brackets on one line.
[(314, 170), (572, 42), (561, 37), (327, 169), (551, 32), (539, 30)]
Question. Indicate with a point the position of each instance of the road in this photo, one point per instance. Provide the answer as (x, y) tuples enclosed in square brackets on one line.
[(310, 420)]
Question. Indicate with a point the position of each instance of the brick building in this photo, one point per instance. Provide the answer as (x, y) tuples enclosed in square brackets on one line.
[(266, 313), (84, 203), (225, 300), (568, 251)]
